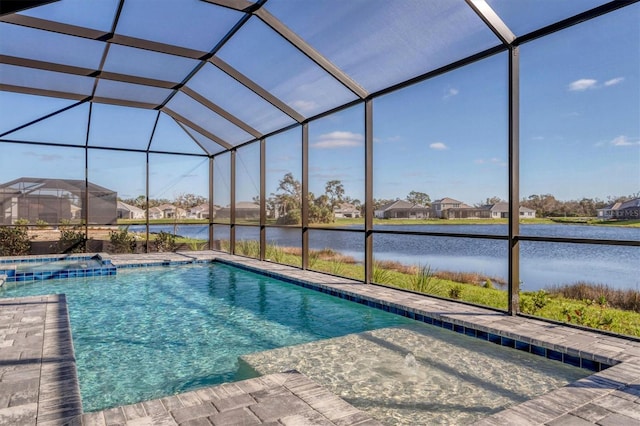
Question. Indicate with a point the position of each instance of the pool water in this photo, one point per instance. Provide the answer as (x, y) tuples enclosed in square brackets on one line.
[(147, 333)]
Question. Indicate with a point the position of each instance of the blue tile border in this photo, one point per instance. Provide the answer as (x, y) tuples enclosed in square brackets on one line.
[(510, 342), (12, 275)]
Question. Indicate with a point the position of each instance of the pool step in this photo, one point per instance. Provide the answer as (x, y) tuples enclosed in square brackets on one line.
[(419, 374)]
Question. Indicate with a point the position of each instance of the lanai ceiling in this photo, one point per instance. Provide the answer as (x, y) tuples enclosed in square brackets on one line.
[(203, 76)]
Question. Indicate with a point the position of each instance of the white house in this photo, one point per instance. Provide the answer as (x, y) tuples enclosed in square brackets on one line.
[(346, 210), (127, 211)]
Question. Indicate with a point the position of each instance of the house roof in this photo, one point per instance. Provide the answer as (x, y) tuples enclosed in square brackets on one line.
[(129, 207), (447, 200), (635, 202), (247, 205), (30, 184), (401, 204)]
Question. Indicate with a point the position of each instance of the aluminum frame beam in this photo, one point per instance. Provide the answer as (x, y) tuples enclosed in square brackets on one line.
[(197, 128), (492, 20), (311, 53)]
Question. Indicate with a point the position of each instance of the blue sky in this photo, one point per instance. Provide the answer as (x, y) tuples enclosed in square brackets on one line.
[(447, 136)]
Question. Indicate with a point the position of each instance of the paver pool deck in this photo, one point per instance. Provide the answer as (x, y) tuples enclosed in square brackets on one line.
[(39, 385)]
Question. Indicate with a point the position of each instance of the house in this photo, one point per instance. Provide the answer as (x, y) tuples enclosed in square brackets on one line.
[(127, 211), (55, 200), (155, 213), (439, 207), (346, 210), (401, 209), (169, 211), (501, 211), (247, 210), (199, 212), (621, 210)]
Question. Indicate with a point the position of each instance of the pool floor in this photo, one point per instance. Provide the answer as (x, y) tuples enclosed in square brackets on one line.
[(413, 375)]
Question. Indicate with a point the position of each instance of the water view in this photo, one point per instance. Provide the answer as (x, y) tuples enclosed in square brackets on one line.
[(541, 263)]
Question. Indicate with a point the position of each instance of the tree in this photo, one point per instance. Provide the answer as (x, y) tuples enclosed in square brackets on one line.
[(334, 190), (421, 198), (187, 201), (490, 201)]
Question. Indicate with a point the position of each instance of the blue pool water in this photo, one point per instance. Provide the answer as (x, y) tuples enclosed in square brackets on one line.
[(147, 333)]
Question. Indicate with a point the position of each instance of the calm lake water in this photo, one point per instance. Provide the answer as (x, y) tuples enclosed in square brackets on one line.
[(541, 264)]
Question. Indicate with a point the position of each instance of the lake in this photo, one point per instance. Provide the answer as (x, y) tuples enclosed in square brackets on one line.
[(541, 263)]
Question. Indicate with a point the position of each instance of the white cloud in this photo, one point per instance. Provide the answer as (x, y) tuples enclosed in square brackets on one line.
[(493, 160), (338, 140), (304, 106), (450, 93), (623, 141), (439, 146), (582, 84), (614, 81)]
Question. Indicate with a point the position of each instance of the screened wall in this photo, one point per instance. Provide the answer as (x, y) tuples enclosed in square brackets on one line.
[(473, 150)]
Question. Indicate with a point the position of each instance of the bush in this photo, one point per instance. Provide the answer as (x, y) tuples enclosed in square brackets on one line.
[(455, 292), (41, 224), (72, 240), (122, 241), (424, 280), (14, 241), (165, 242), (531, 303)]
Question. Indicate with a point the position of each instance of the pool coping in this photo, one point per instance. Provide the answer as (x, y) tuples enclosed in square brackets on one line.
[(612, 393)]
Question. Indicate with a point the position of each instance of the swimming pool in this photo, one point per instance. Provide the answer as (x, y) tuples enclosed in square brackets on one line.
[(150, 332)]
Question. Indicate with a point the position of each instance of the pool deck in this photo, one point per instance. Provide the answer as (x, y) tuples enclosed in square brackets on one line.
[(39, 386)]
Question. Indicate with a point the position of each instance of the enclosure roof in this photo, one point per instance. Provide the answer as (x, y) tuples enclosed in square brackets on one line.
[(204, 76)]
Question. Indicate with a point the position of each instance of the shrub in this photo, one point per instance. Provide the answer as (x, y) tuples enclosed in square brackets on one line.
[(455, 292), (196, 245), (249, 248), (41, 224), (122, 241), (424, 280), (626, 299), (165, 242), (14, 241), (72, 240), (531, 303), (381, 275), (488, 284), (275, 253)]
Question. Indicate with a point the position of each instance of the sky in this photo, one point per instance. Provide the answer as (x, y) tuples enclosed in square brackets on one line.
[(446, 136)]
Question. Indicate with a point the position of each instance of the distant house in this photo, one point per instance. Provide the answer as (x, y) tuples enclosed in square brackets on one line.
[(155, 213), (56, 200), (621, 210), (169, 211), (449, 208), (501, 211), (127, 211), (439, 207), (401, 209), (199, 212), (346, 210), (247, 210)]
